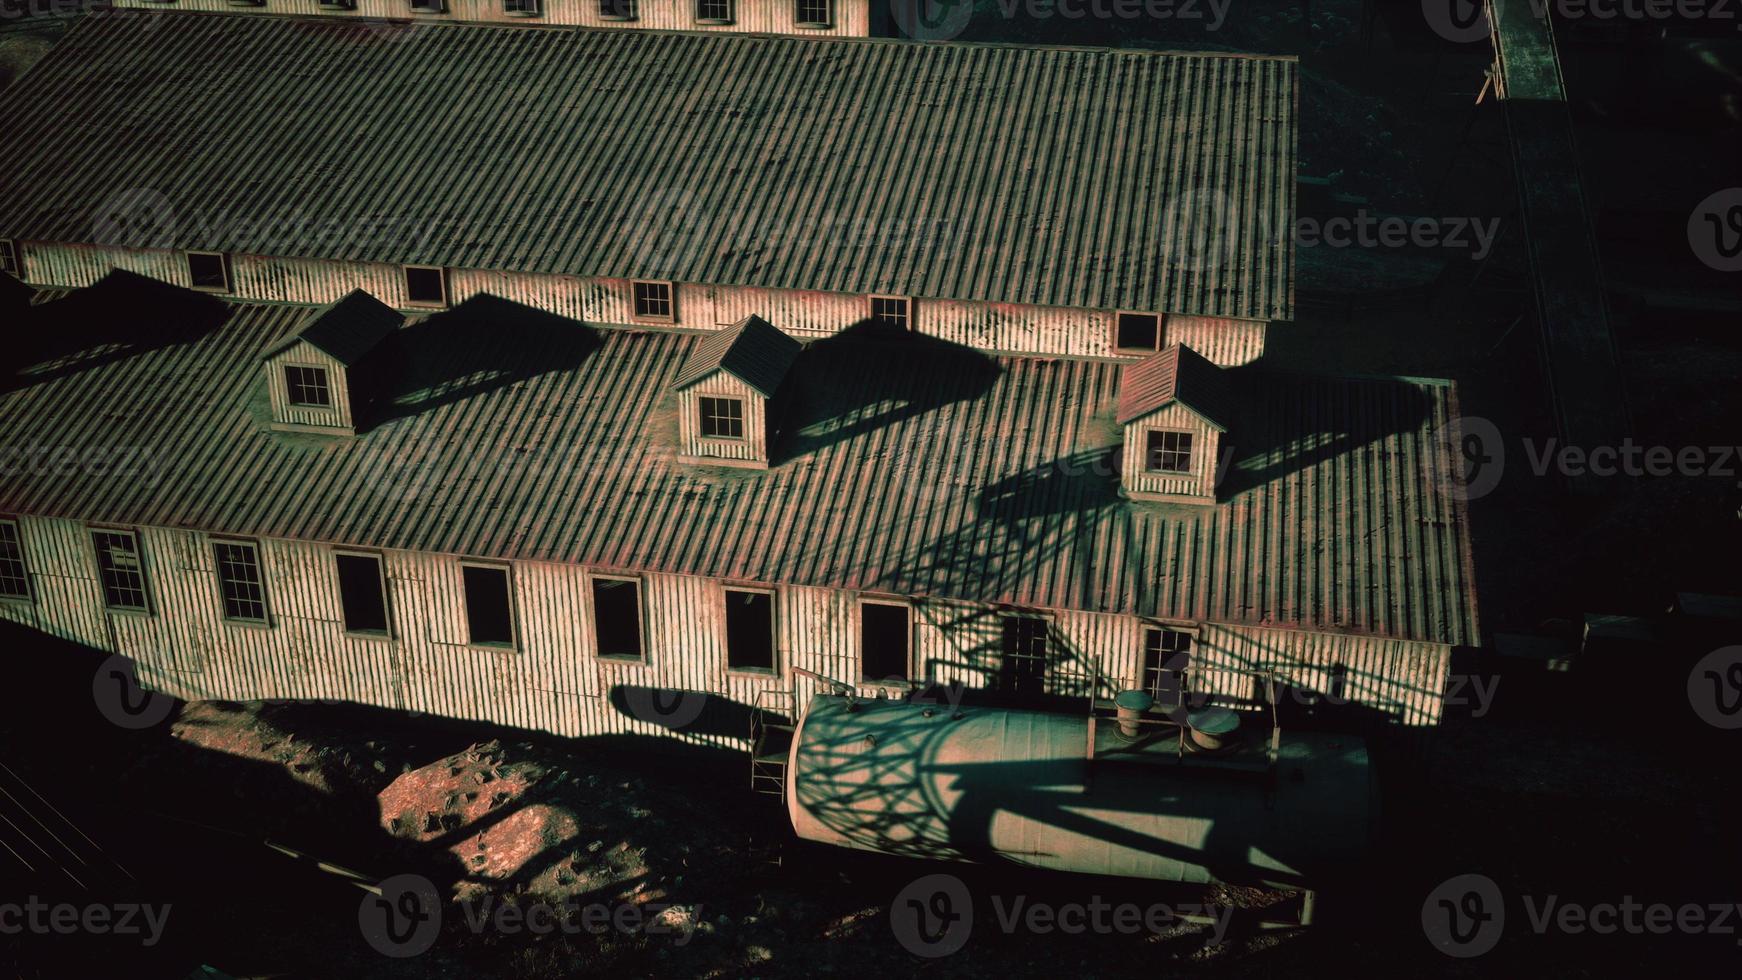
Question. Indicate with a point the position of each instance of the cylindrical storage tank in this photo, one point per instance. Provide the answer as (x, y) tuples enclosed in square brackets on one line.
[(986, 784)]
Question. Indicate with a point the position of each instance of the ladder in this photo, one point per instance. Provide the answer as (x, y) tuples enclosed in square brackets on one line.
[(772, 723)]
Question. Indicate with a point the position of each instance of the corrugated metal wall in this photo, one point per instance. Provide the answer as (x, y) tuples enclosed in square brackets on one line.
[(1004, 327), (851, 17), (754, 445), (553, 682), (338, 388), (1206, 447)]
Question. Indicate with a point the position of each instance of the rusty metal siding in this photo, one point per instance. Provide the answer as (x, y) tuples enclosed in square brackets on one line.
[(1222, 341), (754, 445), (1156, 146), (1206, 454), (389, 18), (338, 388)]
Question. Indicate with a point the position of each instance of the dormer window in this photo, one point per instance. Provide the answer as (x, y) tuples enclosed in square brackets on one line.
[(616, 9), (9, 262), (1137, 333), (426, 285), (653, 300), (1174, 407), (730, 392), (209, 271), (814, 13), (713, 11), (309, 371), (890, 311), (521, 8)]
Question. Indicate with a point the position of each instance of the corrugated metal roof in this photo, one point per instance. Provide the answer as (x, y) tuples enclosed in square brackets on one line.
[(1177, 373), (1093, 178), (753, 350), (347, 328), (912, 468)]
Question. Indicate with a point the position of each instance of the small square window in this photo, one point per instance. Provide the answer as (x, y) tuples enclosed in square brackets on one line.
[(617, 9), (814, 13), (653, 300), (239, 583), (521, 8), (714, 11), (209, 271), (429, 6), (9, 261), (337, 4), (426, 285), (1139, 332), (722, 418), (891, 310), (14, 576), (121, 570), (1167, 451), (307, 385)]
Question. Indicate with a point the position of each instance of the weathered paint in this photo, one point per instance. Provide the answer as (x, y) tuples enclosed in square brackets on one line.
[(1199, 483), (851, 17)]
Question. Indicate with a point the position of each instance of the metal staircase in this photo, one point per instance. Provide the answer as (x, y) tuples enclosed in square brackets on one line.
[(773, 719)]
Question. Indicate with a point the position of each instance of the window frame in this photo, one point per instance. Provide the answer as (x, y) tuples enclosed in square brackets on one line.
[(906, 322), (702, 418), (640, 618), (428, 6), (533, 8), (1160, 332), (381, 582), (859, 637), (223, 270), (253, 547), (670, 315), (424, 304), (606, 14), (731, 12), (92, 530), (828, 14), (774, 666), (1191, 453), (11, 258), (1145, 627), (337, 4), (507, 570), (1005, 617), (326, 385), (29, 593)]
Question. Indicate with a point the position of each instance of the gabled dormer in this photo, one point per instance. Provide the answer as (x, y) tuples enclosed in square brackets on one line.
[(308, 370), (1174, 408), (729, 393)]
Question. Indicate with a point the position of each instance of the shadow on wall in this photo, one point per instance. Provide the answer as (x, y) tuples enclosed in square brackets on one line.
[(871, 376), (118, 316), (479, 346), (693, 713)]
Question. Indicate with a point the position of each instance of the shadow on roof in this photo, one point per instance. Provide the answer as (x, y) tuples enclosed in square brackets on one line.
[(118, 316), (870, 376), (483, 344)]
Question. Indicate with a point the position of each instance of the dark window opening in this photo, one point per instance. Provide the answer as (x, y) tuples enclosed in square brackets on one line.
[(206, 271), (121, 570), (1023, 669), (885, 641), (1168, 452), (716, 11), (425, 285), (749, 630), (653, 300), (429, 6), (890, 310), (307, 386), (617, 619), (722, 418), (813, 12), (1139, 331), (488, 619), (9, 262), (14, 577), (617, 9), (239, 581), (1166, 655), (362, 593), (523, 7)]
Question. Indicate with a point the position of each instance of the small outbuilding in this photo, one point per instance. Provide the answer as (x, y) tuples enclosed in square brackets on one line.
[(1174, 409), (308, 370), (729, 392)]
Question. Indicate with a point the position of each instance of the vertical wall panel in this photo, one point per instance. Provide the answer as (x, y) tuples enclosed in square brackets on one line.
[(851, 17)]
